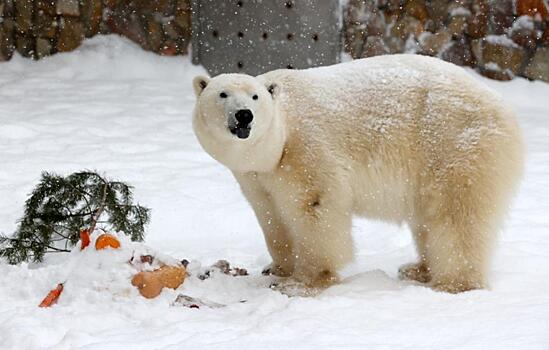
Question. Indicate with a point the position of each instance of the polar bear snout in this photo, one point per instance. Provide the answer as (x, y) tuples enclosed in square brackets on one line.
[(240, 125), (244, 116)]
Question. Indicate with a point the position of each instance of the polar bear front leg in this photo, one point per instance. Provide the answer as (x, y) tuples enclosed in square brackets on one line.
[(274, 230), (320, 228)]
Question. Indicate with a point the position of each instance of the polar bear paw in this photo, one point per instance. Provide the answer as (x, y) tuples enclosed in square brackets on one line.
[(415, 272)]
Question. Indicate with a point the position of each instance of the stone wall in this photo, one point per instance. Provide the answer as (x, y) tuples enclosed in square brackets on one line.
[(38, 28), (500, 38)]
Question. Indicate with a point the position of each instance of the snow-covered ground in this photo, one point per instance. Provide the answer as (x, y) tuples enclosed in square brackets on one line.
[(112, 107)]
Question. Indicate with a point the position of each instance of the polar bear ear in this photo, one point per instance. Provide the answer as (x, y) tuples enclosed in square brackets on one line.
[(199, 84), (273, 89)]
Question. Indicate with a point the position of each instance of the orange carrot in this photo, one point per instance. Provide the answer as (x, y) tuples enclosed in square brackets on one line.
[(84, 238), (52, 296)]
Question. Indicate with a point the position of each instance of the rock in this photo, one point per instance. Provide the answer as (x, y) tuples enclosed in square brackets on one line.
[(92, 13), (46, 6), (24, 44), (476, 48), (171, 30), (46, 26), (438, 12), (477, 25), (493, 71), (538, 67), (355, 22), (417, 9), (111, 4), (5, 47), (169, 48), (156, 36), (431, 44), (71, 34), (407, 26), (354, 40), (23, 18), (459, 52), (458, 25), (500, 16), (545, 37), (532, 8), (375, 26), (162, 7), (44, 47), (395, 45), (503, 52), (68, 8), (523, 32), (183, 15), (374, 46)]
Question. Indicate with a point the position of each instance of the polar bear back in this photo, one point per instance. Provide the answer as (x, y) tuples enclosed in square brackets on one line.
[(400, 123), (408, 100)]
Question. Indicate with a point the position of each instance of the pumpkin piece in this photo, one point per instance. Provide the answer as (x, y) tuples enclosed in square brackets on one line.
[(172, 276), (106, 240), (148, 283)]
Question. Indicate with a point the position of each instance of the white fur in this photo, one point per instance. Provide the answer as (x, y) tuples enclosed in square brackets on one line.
[(401, 138)]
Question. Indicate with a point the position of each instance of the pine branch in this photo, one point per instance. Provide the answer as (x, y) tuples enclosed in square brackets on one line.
[(60, 207)]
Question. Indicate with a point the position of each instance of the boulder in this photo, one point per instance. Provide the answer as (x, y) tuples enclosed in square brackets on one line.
[(538, 67), (438, 12), (23, 17), (416, 9), (71, 34), (374, 46), (500, 16), (46, 26), (24, 44), (407, 26), (375, 25), (183, 15), (458, 24), (44, 47), (7, 45), (477, 25), (156, 36), (504, 53), (459, 52), (532, 8), (431, 44), (47, 7), (354, 40), (92, 13), (545, 36), (68, 8), (524, 33)]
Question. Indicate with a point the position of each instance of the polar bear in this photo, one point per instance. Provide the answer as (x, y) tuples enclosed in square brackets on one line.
[(401, 138)]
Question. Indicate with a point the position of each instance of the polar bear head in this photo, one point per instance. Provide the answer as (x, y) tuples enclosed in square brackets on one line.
[(237, 121)]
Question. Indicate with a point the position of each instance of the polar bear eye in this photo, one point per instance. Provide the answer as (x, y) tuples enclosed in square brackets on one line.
[(223, 95), (255, 97)]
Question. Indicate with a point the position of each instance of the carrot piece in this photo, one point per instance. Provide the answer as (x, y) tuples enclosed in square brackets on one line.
[(52, 296), (106, 240), (84, 238)]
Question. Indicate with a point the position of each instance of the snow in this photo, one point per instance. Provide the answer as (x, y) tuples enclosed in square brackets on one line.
[(502, 40), (460, 11), (112, 107)]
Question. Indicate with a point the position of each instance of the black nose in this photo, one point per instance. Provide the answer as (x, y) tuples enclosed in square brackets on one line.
[(244, 116)]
